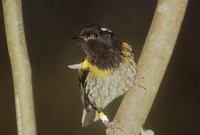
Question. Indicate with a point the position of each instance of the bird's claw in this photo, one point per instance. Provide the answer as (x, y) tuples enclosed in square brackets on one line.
[(112, 125)]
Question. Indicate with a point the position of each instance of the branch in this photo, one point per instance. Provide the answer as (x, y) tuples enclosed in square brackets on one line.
[(152, 65), (21, 69)]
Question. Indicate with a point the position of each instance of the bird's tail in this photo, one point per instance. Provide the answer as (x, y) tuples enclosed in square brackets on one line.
[(89, 116)]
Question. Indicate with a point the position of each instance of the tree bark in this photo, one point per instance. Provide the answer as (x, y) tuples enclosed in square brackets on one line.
[(20, 65), (151, 67)]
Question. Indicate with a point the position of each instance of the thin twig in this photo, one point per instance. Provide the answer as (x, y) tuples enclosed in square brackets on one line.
[(152, 65)]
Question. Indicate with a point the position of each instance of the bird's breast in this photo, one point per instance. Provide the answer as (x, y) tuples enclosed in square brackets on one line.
[(102, 90)]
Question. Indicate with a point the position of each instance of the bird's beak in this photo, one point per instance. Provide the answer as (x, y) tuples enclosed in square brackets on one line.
[(78, 37), (83, 38)]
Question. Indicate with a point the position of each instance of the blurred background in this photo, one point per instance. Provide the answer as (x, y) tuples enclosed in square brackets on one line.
[(49, 26)]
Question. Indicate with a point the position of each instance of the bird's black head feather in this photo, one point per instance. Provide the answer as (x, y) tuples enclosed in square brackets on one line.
[(101, 46)]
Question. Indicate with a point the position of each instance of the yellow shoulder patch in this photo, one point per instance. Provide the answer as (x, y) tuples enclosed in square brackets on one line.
[(94, 69), (126, 49)]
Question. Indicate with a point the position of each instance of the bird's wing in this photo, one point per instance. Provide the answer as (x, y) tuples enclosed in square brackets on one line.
[(83, 73), (89, 112), (75, 66)]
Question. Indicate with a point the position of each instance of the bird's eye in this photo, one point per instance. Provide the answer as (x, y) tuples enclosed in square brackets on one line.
[(95, 35)]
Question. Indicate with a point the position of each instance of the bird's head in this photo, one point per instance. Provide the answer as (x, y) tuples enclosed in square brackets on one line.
[(99, 44)]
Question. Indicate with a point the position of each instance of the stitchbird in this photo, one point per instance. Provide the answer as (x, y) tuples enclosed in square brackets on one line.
[(107, 72)]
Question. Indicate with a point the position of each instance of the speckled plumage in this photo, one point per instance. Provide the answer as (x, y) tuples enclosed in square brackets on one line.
[(102, 91)]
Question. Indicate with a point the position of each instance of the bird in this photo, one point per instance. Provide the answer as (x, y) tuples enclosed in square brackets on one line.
[(107, 72)]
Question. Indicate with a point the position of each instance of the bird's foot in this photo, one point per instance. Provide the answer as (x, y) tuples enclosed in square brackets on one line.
[(103, 118), (107, 123)]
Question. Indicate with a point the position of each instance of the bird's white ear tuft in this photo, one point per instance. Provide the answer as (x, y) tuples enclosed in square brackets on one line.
[(105, 29)]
